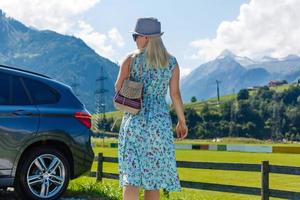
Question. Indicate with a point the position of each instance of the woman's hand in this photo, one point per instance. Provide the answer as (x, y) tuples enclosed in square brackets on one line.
[(181, 130)]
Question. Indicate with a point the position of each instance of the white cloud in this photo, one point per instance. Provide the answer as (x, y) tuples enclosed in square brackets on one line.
[(116, 37), (263, 27), (184, 71), (57, 15), (95, 40)]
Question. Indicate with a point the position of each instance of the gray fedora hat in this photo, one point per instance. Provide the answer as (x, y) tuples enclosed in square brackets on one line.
[(148, 26)]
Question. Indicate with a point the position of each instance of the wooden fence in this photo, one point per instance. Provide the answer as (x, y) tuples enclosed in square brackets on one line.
[(265, 192)]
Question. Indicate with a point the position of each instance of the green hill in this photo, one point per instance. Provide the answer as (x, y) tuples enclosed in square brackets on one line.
[(267, 113), (212, 102)]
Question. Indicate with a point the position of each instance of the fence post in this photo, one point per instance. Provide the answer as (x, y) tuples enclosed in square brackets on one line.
[(265, 180), (99, 167)]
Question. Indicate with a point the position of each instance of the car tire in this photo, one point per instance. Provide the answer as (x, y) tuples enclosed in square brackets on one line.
[(43, 173)]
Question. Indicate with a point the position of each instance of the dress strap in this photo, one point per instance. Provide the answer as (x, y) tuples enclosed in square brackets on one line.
[(133, 57)]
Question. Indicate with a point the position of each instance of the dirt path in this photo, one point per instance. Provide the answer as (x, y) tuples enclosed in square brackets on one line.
[(11, 195)]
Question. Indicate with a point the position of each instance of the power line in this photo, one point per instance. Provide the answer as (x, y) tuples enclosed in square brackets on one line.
[(218, 90), (101, 102)]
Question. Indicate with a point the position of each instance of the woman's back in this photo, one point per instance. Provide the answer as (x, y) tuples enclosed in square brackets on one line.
[(146, 150), (155, 80)]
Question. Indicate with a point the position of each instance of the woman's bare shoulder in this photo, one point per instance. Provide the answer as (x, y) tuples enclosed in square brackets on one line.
[(126, 59)]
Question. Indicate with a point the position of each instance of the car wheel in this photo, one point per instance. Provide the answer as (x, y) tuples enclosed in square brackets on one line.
[(44, 173)]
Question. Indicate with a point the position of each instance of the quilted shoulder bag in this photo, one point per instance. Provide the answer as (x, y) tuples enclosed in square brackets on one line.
[(129, 97)]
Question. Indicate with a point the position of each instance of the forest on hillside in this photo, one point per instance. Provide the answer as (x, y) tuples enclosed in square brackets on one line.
[(266, 114)]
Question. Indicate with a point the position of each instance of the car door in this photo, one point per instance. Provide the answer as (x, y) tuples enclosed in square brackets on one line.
[(19, 120)]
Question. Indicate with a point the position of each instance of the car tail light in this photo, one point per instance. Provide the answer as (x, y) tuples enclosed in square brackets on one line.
[(84, 118)]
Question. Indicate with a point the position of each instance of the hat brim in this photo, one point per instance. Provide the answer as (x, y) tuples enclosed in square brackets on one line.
[(156, 34)]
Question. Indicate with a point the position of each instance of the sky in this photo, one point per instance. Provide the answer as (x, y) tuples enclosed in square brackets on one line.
[(195, 31)]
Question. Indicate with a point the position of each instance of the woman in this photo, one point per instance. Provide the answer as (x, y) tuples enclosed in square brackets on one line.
[(146, 148)]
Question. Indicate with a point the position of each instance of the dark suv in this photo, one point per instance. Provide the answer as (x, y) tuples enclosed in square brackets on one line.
[(45, 136)]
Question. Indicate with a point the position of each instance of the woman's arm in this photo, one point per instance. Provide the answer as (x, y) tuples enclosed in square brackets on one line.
[(181, 128), (123, 73)]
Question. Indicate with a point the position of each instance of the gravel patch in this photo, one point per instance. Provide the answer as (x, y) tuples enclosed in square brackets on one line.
[(9, 194)]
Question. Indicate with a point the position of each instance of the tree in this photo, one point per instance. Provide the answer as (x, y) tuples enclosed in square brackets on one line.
[(226, 109), (193, 99), (245, 114), (291, 95), (205, 109), (105, 124), (192, 119), (243, 94), (265, 93), (266, 114), (294, 119)]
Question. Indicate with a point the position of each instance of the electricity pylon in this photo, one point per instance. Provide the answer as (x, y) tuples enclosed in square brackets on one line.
[(101, 103)]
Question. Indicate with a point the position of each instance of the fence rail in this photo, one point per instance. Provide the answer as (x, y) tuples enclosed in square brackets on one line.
[(264, 191)]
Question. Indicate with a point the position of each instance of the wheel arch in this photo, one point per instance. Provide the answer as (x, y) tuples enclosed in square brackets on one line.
[(57, 144)]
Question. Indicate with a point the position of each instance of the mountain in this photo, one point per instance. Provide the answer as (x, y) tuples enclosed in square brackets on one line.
[(233, 76), (244, 61), (291, 57), (284, 66), (65, 58), (236, 72), (267, 59)]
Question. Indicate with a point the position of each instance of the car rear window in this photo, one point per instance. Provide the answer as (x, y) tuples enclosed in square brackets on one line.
[(40, 92), (19, 96), (4, 89), (12, 91)]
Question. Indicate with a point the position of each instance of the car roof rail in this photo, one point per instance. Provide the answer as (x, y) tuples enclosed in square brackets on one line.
[(23, 70)]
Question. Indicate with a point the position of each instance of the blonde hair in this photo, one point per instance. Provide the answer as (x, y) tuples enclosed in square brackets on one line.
[(156, 53)]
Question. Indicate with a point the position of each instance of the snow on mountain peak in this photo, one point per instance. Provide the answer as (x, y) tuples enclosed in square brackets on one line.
[(226, 53), (244, 61)]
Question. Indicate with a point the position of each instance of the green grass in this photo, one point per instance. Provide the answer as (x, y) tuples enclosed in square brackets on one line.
[(89, 188), (98, 142), (113, 114), (226, 97), (282, 88), (109, 188), (238, 141)]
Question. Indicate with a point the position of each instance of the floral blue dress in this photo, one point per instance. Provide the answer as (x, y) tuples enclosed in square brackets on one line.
[(146, 144)]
